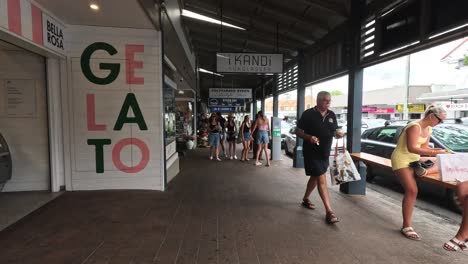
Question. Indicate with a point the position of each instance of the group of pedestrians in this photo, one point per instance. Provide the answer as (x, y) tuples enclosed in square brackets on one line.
[(219, 131), (253, 135), (317, 127)]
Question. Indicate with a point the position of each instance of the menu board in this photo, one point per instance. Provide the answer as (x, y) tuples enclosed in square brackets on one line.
[(20, 98)]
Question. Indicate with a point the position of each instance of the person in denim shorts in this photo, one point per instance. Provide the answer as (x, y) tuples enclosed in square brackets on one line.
[(214, 127), (263, 137), (245, 135)]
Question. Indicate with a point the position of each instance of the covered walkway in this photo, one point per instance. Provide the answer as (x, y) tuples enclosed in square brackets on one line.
[(223, 212)]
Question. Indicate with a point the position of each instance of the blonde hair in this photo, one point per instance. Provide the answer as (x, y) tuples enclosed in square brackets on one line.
[(435, 109)]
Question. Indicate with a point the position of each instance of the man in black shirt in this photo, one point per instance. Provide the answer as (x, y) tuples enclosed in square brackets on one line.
[(317, 126)]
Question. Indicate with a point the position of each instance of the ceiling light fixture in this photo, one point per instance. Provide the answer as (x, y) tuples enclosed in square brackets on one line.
[(94, 5), (194, 15)]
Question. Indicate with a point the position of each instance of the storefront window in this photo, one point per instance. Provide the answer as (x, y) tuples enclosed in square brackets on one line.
[(184, 123), (169, 115)]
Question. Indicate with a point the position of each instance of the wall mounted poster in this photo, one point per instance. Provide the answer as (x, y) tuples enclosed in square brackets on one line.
[(20, 98)]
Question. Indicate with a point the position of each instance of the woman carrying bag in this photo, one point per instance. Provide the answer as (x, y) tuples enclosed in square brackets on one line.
[(412, 143)]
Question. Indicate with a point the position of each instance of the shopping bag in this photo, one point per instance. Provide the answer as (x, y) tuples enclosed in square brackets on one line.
[(452, 167), (342, 168), (239, 139)]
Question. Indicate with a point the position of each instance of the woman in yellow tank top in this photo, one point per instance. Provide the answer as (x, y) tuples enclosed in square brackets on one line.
[(412, 143)]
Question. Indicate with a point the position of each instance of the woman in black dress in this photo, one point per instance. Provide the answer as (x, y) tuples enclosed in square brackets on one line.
[(231, 136)]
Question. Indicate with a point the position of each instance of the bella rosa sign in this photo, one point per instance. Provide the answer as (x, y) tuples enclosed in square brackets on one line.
[(130, 102)]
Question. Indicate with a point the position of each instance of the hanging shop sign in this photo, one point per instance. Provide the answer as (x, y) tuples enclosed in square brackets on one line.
[(53, 34), (412, 108), (226, 102), (249, 62), (233, 93)]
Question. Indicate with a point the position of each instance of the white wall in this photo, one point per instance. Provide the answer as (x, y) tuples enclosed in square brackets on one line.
[(26, 136), (108, 103)]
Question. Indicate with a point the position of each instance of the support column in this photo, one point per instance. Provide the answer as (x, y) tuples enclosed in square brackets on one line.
[(275, 96), (254, 104), (354, 115), (298, 161), (263, 97)]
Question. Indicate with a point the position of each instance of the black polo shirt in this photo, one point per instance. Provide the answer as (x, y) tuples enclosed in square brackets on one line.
[(323, 127)]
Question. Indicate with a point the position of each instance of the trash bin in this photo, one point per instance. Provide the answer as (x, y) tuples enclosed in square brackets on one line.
[(5, 162)]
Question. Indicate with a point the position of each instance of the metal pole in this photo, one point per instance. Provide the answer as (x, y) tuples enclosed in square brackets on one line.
[(355, 97), (298, 161), (406, 88)]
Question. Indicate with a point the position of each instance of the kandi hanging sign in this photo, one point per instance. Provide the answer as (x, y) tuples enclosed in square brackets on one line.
[(249, 63)]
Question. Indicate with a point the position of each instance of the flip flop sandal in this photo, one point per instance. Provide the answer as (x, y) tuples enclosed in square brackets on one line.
[(454, 245), (331, 218), (307, 204), (409, 233)]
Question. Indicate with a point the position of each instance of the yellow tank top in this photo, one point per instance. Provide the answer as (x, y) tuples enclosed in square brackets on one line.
[(401, 157)]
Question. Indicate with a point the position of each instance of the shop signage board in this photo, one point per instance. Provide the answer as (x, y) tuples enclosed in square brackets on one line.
[(54, 34), (226, 102), (223, 109), (412, 108), (366, 109), (249, 63), (383, 111), (26, 19), (456, 107), (234, 93)]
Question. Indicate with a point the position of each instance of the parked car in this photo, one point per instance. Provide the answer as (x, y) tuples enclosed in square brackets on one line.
[(381, 141), (285, 128), (290, 141), (366, 123)]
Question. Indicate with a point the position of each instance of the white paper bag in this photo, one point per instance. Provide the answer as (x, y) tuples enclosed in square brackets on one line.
[(453, 167), (342, 168)]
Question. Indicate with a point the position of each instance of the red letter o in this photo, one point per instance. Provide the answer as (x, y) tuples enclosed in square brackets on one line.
[(144, 155)]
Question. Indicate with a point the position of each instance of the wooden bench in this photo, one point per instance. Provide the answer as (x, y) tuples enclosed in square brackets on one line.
[(376, 161)]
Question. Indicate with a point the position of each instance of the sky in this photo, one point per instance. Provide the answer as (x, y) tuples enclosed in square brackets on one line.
[(426, 68)]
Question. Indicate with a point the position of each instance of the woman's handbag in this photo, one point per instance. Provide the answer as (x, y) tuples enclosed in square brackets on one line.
[(239, 138), (342, 169), (425, 164)]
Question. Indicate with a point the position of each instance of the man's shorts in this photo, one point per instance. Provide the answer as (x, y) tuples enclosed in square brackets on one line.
[(315, 167)]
